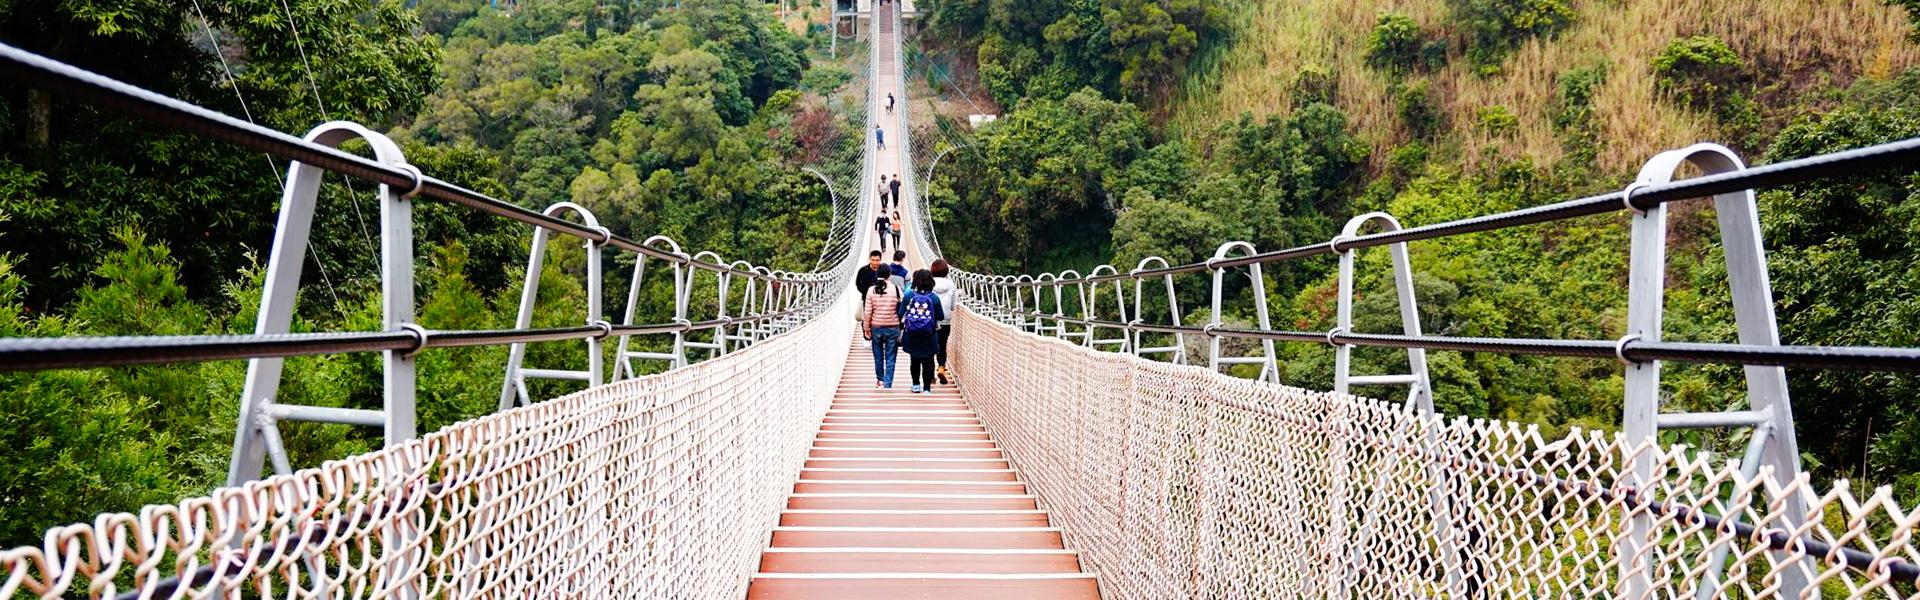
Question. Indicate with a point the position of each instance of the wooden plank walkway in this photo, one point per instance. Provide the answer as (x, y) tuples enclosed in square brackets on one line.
[(907, 496)]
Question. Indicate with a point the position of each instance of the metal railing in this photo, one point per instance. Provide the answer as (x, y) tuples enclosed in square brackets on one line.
[(768, 303), (1021, 301)]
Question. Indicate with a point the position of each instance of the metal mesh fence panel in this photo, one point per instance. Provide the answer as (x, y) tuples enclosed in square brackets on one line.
[(663, 486), (1178, 482)]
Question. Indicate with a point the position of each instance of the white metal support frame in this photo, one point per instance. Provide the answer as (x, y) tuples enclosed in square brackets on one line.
[(513, 390), (1179, 348), (1040, 286), (1419, 389), (1020, 289), (718, 344), (1122, 344), (1269, 367), (257, 436), (1770, 412), (677, 357), (1085, 334), (743, 335)]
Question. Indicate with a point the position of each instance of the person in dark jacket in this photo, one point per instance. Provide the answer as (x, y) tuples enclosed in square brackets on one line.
[(900, 273), (864, 279), (893, 189), (920, 316)]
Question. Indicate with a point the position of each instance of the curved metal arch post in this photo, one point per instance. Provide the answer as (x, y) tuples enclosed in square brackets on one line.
[(1419, 395), (1179, 348), (678, 356), (257, 433), (1770, 412), (1120, 344), (1269, 366), (718, 345), (745, 331), (514, 386), (1065, 331), (1419, 388), (1021, 286), (1042, 283)]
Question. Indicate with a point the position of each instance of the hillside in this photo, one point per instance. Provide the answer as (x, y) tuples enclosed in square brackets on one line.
[(1140, 128), (1795, 55)]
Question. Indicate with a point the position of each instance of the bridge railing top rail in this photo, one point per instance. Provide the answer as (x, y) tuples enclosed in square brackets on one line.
[(81, 85), (1637, 198)]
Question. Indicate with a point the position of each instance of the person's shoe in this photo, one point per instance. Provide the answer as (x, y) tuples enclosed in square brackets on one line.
[(887, 386), (916, 389), (879, 384), (942, 374)]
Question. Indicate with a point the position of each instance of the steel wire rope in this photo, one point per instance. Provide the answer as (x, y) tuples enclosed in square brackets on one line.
[(313, 84), (233, 83)]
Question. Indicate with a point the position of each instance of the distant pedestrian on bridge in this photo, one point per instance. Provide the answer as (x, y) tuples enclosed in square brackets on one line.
[(889, 102), (880, 322), (920, 317), (896, 229), (882, 226), (894, 188), (943, 287), (880, 190), (880, 137)]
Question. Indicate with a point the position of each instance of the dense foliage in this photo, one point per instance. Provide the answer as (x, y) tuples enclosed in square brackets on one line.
[(1844, 264), (690, 122), (1050, 48)]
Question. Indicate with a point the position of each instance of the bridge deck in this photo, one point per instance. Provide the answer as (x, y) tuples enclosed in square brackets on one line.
[(907, 496)]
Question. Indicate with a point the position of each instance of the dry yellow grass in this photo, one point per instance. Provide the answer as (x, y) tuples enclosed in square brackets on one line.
[(1794, 40)]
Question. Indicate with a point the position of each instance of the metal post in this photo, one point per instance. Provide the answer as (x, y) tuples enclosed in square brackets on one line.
[(256, 433), (1124, 342), (1419, 389), (1060, 304), (1269, 367), (677, 357), (718, 345), (1140, 348), (1753, 315), (514, 385)]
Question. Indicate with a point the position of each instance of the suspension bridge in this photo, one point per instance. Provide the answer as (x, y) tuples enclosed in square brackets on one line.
[(1080, 456)]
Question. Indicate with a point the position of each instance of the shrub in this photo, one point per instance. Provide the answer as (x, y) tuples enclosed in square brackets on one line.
[(1494, 28), (1497, 120), (1418, 110), (1314, 84), (1394, 44), (1701, 72), (1573, 105), (1406, 162)]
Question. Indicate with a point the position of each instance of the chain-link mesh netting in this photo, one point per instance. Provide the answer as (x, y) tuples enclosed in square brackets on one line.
[(1176, 482), (663, 486)]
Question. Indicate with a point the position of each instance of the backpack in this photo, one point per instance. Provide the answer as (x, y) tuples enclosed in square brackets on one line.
[(919, 316)]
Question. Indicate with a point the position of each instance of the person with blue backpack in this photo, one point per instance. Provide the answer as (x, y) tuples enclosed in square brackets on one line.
[(920, 317)]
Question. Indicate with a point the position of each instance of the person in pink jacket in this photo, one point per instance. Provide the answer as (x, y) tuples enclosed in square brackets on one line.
[(880, 322)]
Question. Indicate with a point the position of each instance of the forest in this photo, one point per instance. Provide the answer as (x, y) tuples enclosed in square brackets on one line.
[(1135, 129), (692, 122)]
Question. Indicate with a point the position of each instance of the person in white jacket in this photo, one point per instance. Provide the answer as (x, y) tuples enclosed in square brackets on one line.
[(943, 287)]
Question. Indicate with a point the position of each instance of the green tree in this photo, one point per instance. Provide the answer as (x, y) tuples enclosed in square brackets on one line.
[(1495, 28)]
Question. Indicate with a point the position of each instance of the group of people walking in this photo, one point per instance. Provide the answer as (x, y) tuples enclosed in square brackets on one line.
[(907, 312), (888, 223)]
